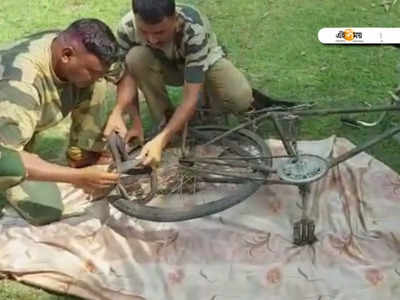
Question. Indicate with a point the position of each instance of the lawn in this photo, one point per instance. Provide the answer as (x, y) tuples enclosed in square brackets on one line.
[(274, 43)]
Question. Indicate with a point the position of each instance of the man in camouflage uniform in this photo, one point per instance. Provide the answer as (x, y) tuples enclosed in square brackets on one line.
[(174, 45), (43, 78)]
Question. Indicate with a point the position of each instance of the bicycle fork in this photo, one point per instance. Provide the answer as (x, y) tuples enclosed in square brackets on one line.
[(303, 230)]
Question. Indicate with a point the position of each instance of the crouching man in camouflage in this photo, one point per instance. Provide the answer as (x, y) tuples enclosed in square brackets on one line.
[(168, 44), (43, 78)]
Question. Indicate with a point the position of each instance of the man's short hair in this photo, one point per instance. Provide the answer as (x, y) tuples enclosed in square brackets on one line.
[(96, 37), (153, 11)]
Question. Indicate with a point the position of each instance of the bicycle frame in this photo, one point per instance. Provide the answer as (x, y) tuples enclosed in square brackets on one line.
[(277, 114), (303, 230), (323, 112)]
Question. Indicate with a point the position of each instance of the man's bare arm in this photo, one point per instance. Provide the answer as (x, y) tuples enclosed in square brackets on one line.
[(184, 111), (41, 170), (127, 101)]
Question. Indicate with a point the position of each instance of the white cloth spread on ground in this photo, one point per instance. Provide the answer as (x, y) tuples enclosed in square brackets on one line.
[(245, 252)]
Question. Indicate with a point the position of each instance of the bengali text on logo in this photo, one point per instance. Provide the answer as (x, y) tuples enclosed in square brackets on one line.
[(359, 35)]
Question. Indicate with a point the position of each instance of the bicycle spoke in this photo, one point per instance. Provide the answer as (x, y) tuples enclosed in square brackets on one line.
[(190, 189)]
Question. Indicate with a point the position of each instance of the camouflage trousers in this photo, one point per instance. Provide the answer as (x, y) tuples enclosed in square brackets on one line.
[(225, 87), (41, 203)]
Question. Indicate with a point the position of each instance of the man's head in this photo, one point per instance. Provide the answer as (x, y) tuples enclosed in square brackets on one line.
[(155, 20), (84, 51)]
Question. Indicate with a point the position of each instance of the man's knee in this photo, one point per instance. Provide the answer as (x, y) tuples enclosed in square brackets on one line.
[(241, 97), (228, 85), (39, 203), (139, 60), (238, 98)]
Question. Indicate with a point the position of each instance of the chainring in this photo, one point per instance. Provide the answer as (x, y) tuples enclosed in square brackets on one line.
[(302, 169)]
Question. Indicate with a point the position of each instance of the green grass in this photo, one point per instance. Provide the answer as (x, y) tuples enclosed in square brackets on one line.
[(273, 42), (10, 290)]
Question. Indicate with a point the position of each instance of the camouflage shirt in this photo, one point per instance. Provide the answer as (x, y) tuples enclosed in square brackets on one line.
[(194, 48), (32, 98)]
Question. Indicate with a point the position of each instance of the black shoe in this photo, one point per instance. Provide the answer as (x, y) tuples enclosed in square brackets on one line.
[(263, 101)]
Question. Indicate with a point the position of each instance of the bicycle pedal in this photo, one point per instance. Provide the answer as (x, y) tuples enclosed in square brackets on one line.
[(303, 232)]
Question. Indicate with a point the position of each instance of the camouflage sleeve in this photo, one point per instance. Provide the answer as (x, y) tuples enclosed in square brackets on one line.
[(196, 53), (19, 113), (126, 33), (12, 170), (115, 72)]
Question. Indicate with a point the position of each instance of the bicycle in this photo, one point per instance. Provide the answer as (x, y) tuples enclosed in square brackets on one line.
[(237, 164)]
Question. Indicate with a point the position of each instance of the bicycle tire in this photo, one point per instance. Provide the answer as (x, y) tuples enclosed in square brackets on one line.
[(165, 214)]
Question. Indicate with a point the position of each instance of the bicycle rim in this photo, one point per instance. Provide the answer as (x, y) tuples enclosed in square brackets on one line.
[(216, 192)]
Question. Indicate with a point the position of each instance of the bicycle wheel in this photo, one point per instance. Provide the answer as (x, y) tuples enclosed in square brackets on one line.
[(205, 179)]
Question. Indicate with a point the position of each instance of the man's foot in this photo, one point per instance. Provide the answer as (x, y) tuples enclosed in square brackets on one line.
[(263, 101), (79, 158)]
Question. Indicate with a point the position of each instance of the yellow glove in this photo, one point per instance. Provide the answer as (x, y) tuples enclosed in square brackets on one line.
[(151, 151)]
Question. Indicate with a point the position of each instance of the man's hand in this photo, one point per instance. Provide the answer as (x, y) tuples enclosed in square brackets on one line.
[(151, 151), (94, 178), (135, 132), (89, 178), (115, 123)]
